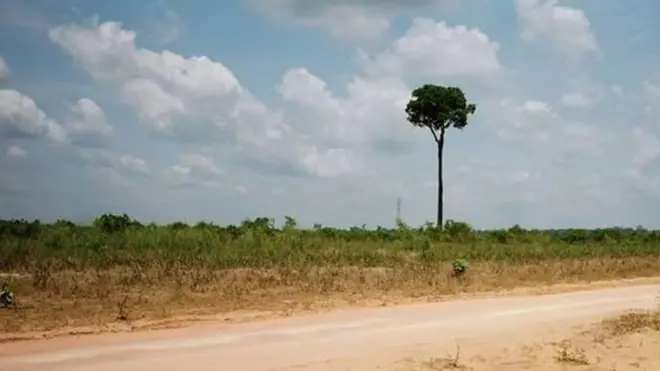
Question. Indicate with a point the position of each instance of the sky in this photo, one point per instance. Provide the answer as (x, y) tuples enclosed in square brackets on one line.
[(225, 110)]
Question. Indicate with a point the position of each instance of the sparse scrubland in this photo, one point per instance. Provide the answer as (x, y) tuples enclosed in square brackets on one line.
[(120, 272)]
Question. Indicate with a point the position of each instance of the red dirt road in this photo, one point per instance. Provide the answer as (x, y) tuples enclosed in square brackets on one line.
[(311, 342)]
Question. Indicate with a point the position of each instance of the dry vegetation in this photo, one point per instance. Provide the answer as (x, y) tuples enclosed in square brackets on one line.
[(118, 272)]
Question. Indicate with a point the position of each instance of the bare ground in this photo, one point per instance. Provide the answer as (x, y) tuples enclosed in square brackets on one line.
[(622, 343)]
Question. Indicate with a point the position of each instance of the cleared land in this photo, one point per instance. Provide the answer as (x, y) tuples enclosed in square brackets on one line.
[(118, 275), (550, 332)]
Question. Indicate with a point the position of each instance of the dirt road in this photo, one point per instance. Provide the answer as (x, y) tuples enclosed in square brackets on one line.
[(339, 340)]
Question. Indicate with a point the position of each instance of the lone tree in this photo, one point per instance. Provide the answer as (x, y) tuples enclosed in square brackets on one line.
[(439, 108)]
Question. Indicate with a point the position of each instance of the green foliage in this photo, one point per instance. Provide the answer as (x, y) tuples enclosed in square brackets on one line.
[(110, 223), (458, 231), (177, 226), (19, 228), (290, 223), (439, 107), (459, 267), (116, 241)]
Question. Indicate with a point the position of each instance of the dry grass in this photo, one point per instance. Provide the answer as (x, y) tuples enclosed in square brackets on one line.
[(127, 298), (570, 354), (633, 322)]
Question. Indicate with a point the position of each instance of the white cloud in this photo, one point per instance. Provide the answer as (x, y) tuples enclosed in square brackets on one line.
[(534, 123), (372, 115), (15, 151), (114, 163), (566, 29), (187, 98), (20, 116), (153, 104), (134, 164), (87, 118), (193, 169), (4, 69), (303, 87), (333, 163), (160, 86), (199, 161), (436, 50)]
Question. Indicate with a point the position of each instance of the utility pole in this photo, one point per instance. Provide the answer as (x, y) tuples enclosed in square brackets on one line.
[(398, 210)]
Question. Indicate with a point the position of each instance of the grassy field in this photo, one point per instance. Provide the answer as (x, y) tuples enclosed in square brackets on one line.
[(121, 272)]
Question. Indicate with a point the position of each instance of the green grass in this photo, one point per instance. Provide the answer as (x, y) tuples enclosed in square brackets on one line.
[(66, 246)]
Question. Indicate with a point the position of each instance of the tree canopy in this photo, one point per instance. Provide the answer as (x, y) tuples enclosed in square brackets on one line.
[(439, 108)]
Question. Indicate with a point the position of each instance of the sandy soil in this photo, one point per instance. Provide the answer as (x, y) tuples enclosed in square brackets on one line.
[(497, 333)]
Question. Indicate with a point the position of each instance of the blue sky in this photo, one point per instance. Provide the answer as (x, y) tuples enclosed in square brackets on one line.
[(242, 108)]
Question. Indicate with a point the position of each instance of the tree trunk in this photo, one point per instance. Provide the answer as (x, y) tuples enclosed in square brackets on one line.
[(441, 145)]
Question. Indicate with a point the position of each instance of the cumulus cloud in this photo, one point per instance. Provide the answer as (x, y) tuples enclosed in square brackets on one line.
[(566, 29), (370, 116), (161, 87), (20, 117), (330, 164), (535, 124), (87, 122), (433, 49), (185, 98)]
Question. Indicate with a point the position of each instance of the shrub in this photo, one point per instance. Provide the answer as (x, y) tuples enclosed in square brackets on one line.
[(459, 267)]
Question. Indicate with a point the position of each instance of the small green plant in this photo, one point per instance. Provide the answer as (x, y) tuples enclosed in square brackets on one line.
[(6, 295), (459, 267)]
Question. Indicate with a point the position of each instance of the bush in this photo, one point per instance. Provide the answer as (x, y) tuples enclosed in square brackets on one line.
[(459, 267), (110, 223)]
